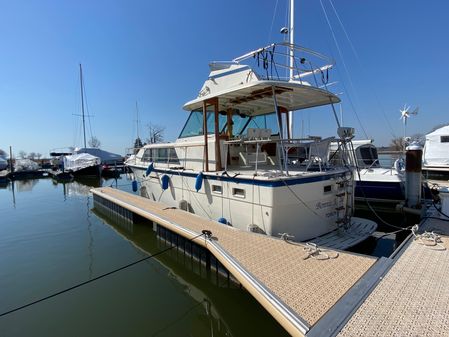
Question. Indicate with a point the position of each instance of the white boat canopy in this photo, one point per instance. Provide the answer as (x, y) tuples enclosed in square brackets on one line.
[(256, 98), (436, 149)]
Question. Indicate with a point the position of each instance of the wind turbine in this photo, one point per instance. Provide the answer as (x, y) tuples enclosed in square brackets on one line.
[(405, 114)]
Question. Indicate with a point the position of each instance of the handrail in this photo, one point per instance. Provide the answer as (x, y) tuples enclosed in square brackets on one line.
[(306, 62)]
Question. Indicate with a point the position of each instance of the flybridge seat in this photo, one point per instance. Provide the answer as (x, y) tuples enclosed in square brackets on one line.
[(319, 152)]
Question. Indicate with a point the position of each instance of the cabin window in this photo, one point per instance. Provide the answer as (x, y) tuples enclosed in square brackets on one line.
[(147, 155), (166, 155), (444, 139), (172, 156)]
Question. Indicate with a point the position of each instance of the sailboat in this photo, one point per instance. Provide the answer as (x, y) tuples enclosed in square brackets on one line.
[(80, 163), (236, 160)]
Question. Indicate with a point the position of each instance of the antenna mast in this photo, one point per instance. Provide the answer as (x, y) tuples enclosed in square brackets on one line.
[(82, 105), (137, 119), (292, 59)]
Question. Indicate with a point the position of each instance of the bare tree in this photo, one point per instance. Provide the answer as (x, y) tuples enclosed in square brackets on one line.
[(94, 142), (32, 155), (397, 144), (22, 154), (418, 138), (38, 155), (156, 133)]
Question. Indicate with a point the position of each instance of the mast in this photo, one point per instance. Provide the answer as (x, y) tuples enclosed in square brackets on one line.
[(292, 59), (82, 105), (137, 120)]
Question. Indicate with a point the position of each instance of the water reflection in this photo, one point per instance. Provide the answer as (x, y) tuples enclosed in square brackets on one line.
[(220, 303), (206, 320), (53, 241)]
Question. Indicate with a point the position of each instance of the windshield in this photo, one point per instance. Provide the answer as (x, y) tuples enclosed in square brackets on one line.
[(240, 124), (194, 124), (243, 123), (367, 155)]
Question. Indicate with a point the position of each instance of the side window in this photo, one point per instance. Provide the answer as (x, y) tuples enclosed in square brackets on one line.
[(444, 139), (173, 158), (147, 155), (166, 155), (162, 155)]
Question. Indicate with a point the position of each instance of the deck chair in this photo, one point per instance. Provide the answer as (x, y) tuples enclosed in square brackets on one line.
[(319, 152)]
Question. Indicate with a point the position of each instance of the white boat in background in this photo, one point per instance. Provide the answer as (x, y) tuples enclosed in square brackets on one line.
[(82, 164), (111, 163), (236, 161), (436, 152), (381, 187)]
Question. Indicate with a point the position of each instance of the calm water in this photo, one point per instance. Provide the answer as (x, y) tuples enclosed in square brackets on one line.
[(51, 239)]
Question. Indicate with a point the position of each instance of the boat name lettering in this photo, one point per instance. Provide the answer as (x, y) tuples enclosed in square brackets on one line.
[(325, 204)]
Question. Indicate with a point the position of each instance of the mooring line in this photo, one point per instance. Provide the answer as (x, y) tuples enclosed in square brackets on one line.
[(93, 279)]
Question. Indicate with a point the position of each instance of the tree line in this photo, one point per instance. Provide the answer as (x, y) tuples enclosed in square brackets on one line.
[(399, 143)]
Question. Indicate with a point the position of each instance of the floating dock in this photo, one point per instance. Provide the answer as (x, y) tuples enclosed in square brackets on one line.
[(320, 292)]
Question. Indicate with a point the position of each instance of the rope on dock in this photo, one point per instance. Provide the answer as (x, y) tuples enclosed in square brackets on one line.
[(312, 249), (94, 279), (429, 239)]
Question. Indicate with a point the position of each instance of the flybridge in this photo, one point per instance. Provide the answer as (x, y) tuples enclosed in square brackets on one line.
[(250, 82)]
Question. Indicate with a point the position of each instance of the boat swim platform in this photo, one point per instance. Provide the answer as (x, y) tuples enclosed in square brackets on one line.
[(329, 294)]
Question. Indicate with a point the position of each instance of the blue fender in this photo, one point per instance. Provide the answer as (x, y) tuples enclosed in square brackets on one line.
[(149, 169), (199, 181), (165, 180), (134, 185), (223, 221)]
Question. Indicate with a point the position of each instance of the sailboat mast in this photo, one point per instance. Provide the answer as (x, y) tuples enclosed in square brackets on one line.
[(82, 105), (292, 59)]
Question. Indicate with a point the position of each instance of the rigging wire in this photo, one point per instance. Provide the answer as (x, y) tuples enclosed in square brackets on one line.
[(87, 110), (93, 279), (345, 67), (360, 65), (272, 21)]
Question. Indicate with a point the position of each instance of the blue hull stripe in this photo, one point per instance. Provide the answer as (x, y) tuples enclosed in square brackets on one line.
[(379, 190), (249, 181)]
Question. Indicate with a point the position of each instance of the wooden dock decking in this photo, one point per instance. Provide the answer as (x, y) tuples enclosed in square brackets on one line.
[(345, 294), (296, 290)]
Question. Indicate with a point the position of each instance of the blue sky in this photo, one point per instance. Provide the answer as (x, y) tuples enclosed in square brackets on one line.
[(157, 53)]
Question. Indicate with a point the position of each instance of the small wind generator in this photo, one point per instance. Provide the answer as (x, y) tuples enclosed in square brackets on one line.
[(405, 114)]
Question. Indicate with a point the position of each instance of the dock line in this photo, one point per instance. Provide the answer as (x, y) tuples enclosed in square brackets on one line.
[(93, 279)]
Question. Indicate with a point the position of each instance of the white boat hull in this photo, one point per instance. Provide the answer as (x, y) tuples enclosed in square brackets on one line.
[(300, 206)]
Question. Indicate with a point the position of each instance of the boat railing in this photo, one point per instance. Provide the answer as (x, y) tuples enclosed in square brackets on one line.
[(274, 63), (309, 153)]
